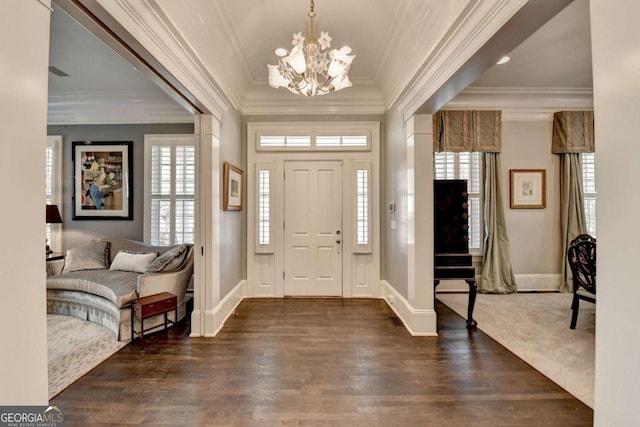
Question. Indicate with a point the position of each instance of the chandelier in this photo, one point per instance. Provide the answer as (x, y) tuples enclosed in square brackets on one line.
[(311, 68)]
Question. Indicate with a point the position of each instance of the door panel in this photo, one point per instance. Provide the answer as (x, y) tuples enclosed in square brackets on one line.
[(313, 225)]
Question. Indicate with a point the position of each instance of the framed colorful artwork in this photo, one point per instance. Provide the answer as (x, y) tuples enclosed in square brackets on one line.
[(102, 180)]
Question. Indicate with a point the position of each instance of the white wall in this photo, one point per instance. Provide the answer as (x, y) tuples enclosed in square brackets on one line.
[(616, 63), (24, 43), (79, 232), (534, 234), (394, 166), (233, 224)]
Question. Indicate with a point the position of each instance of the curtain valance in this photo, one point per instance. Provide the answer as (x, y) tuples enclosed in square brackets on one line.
[(573, 132), (467, 130)]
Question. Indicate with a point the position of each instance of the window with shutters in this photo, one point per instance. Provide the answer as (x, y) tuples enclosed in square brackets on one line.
[(170, 189), (589, 190), (467, 166), (53, 188)]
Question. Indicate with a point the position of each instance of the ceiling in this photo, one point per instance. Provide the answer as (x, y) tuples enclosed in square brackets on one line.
[(101, 87), (239, 36), (558, 55)]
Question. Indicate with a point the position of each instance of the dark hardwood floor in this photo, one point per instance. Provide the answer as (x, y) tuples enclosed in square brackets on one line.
[(319, 362)]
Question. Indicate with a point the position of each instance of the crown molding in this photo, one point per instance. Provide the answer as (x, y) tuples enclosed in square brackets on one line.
[(360, 99), (523, 104), (112, 108), (145, 29), (481, 21)]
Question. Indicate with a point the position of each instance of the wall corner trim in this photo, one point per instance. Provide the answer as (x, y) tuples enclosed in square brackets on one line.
[(419, 323)]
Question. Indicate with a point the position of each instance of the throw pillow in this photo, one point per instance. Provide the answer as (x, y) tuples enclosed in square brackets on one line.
[(132, 261), (171, 260), (90, 257)]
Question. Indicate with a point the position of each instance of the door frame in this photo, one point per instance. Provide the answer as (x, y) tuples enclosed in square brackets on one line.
[(265, 266)]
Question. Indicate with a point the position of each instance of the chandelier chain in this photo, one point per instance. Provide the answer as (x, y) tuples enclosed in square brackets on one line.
[(311, 5)]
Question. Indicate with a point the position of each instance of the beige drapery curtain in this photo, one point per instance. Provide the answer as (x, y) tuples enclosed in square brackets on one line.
[(572, 135), (472, 130), (572, 220), (497, 274)]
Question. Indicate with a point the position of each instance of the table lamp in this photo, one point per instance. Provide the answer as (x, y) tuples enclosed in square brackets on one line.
[(52, 217)]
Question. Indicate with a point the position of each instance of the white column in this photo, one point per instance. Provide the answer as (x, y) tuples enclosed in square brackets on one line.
[(24, 43), (207, 261), (616, 64), (420, 225)]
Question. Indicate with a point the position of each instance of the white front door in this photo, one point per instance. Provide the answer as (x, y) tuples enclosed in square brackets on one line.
[(313, 228)]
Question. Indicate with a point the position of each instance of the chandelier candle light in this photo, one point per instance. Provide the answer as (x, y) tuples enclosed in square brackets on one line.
[(310, 68)]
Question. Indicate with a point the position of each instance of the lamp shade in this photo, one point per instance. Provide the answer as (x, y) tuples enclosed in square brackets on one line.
[(53, 215)]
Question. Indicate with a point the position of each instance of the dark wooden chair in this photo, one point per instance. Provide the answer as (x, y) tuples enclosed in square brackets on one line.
[(582, 260)]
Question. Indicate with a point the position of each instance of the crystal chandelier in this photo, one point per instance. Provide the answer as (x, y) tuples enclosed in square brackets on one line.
[(311, 68)]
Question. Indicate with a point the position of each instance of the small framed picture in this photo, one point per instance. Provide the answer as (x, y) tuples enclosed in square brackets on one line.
[(233, 187), (528, 188)]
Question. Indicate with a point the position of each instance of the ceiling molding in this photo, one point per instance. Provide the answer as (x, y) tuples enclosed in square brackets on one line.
[(283, 107), (523, 104), (481, 21), (361, 98), (232, 89), (147, 30), (111, 108)]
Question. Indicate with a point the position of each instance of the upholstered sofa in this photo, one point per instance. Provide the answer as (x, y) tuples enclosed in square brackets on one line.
[(100, 281)]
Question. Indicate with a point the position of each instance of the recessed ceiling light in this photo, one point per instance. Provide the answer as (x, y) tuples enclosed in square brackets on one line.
[(503, 60)]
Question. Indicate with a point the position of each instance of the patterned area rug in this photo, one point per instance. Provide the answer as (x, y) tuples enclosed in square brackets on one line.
[(535, 327), (75, 347)]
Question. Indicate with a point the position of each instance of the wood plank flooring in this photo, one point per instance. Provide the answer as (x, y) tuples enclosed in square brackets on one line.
[(319, 362)]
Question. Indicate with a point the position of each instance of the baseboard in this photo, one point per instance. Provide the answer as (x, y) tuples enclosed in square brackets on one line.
[(538, 282), (215, 319), (417, 322), (195, 324), (526, 283)]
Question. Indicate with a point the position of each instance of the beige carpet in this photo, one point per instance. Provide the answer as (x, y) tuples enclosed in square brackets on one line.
[(75, 347), (535, 327)]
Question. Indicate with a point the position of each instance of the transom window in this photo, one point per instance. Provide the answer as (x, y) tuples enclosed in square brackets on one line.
[(282, 141), (313, 137), (313, 142)]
